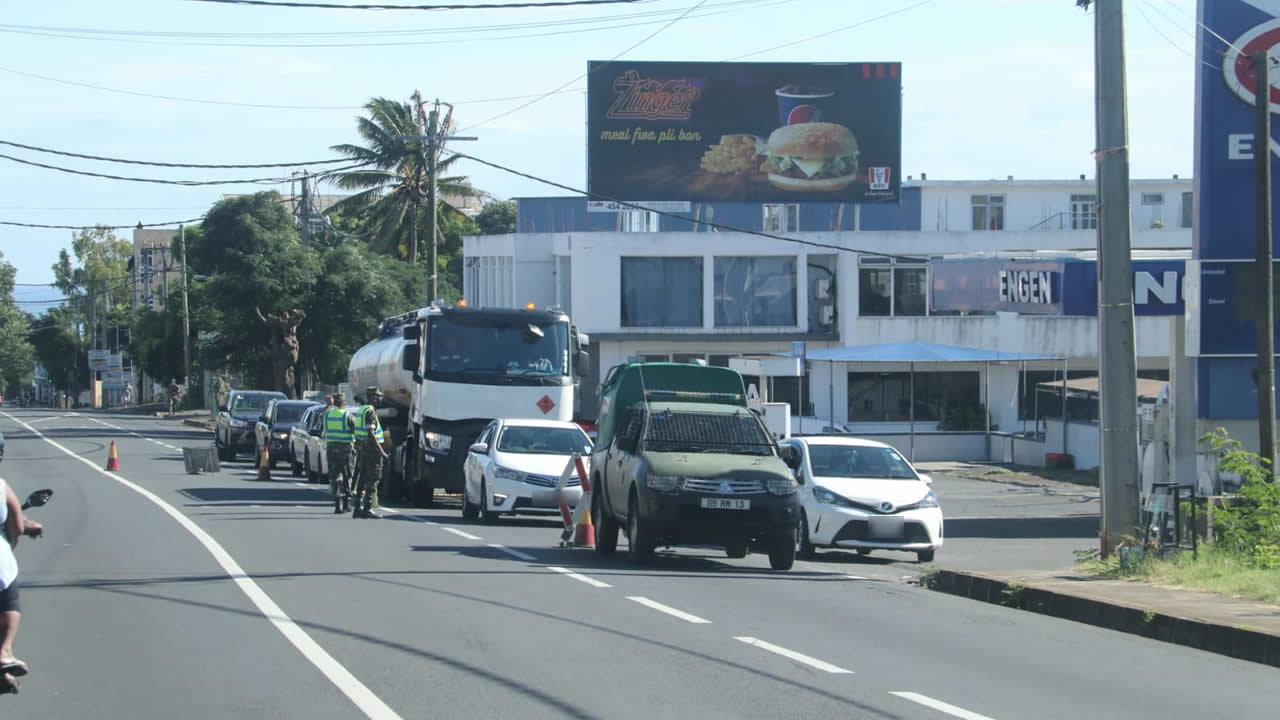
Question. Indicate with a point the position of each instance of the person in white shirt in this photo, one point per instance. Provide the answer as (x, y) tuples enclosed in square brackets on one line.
[(15, 526)]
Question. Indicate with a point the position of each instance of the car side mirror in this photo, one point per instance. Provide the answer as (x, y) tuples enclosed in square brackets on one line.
[(582, 363), (926, 479), (37, 498), (480, 449), (222, 408)]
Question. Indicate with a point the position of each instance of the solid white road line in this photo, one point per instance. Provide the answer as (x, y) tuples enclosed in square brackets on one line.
[(793, 655), (363, 698), (940, 706), (462, 534), (581, 578), (668, 610), (514, 553)]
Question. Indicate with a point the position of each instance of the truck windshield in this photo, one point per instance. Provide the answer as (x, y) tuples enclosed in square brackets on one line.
[(735, 433), (497, 350)]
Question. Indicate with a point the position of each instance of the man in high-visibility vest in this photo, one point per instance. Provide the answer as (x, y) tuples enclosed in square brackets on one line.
[(339, 437), (369, 456)]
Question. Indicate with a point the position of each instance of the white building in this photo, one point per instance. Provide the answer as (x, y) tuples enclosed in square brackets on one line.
[(675, 295)]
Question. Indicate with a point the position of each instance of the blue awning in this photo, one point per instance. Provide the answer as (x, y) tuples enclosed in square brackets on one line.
[(919, 352)]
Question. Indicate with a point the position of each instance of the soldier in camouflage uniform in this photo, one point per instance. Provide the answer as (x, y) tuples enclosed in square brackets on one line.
[(369, 456), (339, 438)]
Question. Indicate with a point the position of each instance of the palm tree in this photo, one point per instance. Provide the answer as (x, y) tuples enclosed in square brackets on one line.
[(393, 183)]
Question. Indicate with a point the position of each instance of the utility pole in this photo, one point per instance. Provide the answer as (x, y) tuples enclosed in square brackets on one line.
[(1264, 315), (1118, 365), (417, 184), (304, 211), (432, 157), (186, 317)]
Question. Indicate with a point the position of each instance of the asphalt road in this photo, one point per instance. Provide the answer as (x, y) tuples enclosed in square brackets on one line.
[(157, 594)]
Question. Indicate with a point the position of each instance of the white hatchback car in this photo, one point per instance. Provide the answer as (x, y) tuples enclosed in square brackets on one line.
[(863, 495), (514, 465)]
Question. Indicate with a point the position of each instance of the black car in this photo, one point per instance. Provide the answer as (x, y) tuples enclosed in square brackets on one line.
[(234, 430), (272, 429)]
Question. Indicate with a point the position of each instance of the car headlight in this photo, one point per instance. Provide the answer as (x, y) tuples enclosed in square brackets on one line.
[(827, 497), (782, 486), (507, 474), (929, 501), (280, 435), (238, 423), (438, 441), (663, 483)]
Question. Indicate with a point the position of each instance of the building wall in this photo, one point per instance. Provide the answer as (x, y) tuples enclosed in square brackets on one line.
[(1044, 206), (148, 287)]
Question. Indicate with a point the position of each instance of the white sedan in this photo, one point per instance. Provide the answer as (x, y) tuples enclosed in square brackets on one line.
[(863, 495), (514, 465)]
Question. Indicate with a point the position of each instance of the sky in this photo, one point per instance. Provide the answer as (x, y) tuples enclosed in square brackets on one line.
[(991, 88)]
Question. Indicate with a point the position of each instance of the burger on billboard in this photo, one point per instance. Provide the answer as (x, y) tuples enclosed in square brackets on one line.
[(751, 132)]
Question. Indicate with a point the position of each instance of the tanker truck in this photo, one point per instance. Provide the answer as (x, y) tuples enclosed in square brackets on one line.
[(448, 371)]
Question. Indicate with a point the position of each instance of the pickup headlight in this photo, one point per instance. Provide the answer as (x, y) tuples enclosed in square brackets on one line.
[(782, 486), (507, 474), (280, 435), (929, 501), (438, 441), (664, 483)]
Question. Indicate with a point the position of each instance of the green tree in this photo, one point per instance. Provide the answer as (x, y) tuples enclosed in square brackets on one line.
[(58, 347), (497, 218), (394, 182), (97, 282), (17, 356), (249, 248), (157, 339)]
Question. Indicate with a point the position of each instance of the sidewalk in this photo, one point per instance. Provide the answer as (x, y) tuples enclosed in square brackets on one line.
[(1243, 629)]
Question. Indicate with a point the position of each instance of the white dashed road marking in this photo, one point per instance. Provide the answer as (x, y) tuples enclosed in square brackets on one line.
[(514, 553), (940, 706), (793, 655), (461, 533), (668, 610), (580, 578)]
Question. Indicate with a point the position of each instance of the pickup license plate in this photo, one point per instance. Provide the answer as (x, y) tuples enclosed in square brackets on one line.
[(725, 504)]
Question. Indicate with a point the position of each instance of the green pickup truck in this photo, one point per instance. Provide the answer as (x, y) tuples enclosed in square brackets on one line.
[(681, 460)]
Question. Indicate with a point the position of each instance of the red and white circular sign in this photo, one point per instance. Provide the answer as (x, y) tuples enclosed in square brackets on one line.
[(1237, 62)]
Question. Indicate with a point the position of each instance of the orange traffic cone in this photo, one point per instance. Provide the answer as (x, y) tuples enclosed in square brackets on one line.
[(113, 460), (584, 535), (264, 465)]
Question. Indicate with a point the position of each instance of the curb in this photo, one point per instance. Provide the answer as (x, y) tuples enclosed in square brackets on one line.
[(197, 424), (1235, 642)]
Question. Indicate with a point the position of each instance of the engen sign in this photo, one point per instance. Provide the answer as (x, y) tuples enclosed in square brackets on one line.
[(1219, 332)]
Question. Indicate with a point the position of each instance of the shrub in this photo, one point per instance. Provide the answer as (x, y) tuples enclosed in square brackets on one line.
[(1249, 527)]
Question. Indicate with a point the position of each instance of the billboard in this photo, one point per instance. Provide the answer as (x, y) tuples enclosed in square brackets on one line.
[(1062, 287), (747, 132)]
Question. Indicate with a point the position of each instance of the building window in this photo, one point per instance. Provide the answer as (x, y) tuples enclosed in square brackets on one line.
[(950, 398), (988, 212), (1152, 198), (661, 292), (781, 218), (639, 221), (1084, 212), (755, 291), (1187, 208), (893, 288)]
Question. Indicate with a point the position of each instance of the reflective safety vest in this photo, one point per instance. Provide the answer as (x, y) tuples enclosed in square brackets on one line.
[(377, 422), (336, 428)]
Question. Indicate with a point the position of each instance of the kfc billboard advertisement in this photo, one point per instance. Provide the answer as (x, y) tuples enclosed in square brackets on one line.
[(749, 132)]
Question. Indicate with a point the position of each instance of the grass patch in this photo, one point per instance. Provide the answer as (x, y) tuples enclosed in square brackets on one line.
[(1215, 570)]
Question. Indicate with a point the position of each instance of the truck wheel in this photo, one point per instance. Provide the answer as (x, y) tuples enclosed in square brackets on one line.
[(782, 552), (606, 525), (640, 542), (804, 546), (737, 549)]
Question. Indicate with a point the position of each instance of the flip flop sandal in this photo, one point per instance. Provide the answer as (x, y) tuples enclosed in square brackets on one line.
[(16, 668)]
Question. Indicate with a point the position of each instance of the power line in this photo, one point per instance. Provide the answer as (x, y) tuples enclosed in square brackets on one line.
[(190, 221), (684, 218), (833, 32), (332, 161), (366, 6), (644, 40), (188, 183)]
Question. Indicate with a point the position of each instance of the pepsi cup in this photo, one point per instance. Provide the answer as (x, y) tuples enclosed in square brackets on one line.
[(804, 104)]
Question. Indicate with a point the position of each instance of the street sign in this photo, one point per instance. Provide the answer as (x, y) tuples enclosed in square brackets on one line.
[(98, 360)]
